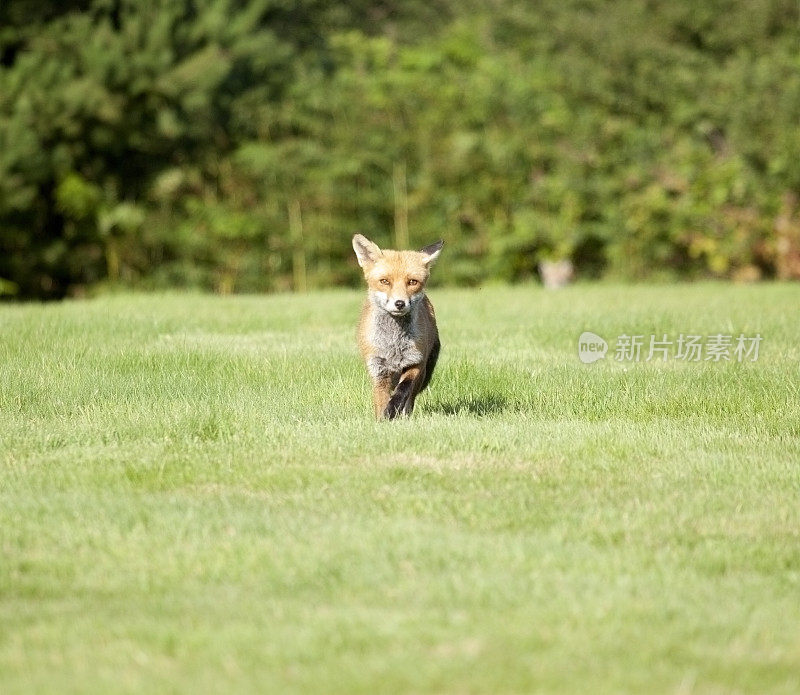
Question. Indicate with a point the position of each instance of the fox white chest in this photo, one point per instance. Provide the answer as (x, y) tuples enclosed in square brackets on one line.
[(394, 344)]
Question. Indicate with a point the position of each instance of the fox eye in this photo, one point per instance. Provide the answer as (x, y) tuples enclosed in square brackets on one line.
[(413, 282), (384, 281)]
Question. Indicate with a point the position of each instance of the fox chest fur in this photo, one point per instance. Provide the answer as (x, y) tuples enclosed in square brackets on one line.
[(392, 342)]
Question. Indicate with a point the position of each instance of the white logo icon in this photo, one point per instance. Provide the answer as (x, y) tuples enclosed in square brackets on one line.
[(591, 347)]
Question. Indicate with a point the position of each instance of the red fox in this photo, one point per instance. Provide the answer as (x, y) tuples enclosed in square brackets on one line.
[(397, 333)]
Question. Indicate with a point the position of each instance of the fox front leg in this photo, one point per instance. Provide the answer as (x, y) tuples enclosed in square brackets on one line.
[(402, 400), (381, 393)]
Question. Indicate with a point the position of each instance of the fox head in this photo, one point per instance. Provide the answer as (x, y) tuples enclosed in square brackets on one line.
[(396, 279)]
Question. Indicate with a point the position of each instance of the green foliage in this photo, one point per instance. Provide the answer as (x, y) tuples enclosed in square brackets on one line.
[(238, 145)]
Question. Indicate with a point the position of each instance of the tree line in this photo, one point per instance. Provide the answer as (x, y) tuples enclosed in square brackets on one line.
[(236, 145)]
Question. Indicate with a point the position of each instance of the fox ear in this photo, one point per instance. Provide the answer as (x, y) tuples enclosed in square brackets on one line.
[(432, 251), (366, 252)]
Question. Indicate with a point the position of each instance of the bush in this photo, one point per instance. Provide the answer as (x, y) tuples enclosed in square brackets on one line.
[(237, 146)]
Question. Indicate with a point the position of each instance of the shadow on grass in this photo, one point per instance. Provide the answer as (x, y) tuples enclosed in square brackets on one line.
[(482, 404)]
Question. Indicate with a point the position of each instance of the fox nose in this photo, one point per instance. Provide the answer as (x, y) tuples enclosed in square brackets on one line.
[(400, 304)]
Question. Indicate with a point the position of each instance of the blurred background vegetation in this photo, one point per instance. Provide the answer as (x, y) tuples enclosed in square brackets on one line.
[(236, 145)]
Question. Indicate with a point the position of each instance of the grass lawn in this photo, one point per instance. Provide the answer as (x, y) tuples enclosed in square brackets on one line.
[(194, 498)]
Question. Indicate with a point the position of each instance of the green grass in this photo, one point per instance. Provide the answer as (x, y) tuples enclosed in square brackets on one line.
[(194, 497)]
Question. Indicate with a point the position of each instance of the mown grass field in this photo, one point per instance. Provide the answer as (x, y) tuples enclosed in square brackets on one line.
[(195, 498)]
